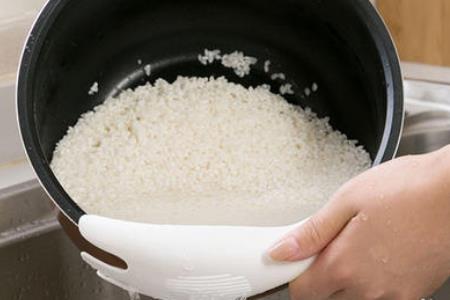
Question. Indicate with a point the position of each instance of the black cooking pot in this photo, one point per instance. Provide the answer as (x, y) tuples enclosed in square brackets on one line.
[(342, 45)]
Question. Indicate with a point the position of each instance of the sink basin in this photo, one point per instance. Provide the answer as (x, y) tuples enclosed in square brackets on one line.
[(37, 259), (425, 132), (39, 262)]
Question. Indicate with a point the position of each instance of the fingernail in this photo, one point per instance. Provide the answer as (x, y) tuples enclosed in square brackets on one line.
[(284, 249)]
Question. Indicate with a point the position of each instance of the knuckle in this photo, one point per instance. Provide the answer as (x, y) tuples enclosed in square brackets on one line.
[(312, 231), (349, 194)]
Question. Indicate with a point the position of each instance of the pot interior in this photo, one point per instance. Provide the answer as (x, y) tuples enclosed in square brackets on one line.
[(341, 45)]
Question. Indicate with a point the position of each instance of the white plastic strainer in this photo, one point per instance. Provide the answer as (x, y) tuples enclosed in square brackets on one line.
[(189, 262)]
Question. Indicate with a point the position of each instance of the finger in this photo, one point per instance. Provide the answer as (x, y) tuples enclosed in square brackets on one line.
[(316, 233), (316, 283)]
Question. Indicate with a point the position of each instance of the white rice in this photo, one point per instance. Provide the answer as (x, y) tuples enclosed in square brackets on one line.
[(93, 89), (276, 76), (286, 89), (148, 70), (267, 66), (209, 56), (204, 151), (240, 63), (265, 86), (307, 92)]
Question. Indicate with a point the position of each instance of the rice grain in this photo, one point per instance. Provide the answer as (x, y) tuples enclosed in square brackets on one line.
[(204, 151)]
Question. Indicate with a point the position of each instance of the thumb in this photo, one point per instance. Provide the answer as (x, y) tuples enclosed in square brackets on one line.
[(315, 234)]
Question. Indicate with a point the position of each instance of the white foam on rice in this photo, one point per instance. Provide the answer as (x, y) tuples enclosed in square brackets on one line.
[(204, 151)]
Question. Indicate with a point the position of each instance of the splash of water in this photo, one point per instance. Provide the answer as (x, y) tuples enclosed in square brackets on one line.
[(134, 295)]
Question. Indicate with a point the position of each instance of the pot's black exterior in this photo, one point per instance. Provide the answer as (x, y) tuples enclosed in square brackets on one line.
[(341, 44)]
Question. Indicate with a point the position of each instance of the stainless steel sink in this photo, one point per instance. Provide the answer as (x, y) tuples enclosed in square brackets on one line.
[(425, 132), (37, 260)]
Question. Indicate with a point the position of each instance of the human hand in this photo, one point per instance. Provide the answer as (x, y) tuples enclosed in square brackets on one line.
[(383, 235)]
